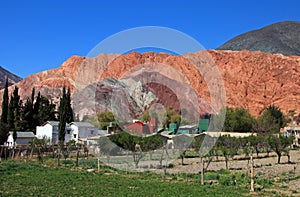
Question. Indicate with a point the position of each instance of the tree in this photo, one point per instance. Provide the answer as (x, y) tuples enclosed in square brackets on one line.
[(27, 116), (256, 142), (63, 105), (5, 103), (136, 145), (14, 111), (47, 111), (266, 123), (277, 114), (69, 113), (146, 116), (238, 120), (4, 132), (280, 144), (204, 145), (64, 117), (176, 119), (228, 146), (182, 142), (105, 118)]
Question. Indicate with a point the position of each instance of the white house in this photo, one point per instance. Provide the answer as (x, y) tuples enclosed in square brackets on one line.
[(50, 130), (78, 131), (82, 130), (23, 138), (294, 130)]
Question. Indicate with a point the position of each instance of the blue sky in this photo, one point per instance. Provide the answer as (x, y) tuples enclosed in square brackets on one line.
[(40, 35)]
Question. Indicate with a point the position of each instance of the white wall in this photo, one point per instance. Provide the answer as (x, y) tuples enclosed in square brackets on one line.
[(49, 131)]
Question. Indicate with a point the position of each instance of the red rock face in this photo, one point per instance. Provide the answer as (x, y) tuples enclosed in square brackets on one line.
[(252, 80)]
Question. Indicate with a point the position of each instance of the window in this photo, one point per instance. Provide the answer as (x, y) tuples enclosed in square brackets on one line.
[(75, 135)]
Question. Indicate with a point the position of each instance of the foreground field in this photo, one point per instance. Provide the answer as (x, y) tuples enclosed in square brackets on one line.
[(31, 178), (34, 179)]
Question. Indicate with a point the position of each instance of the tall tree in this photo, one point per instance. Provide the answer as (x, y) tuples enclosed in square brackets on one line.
[(46, 110), (27, 116), (5, 103), (238, 120), (65, 114), (70, 114), (36, 108), (4, 132), (14, 110), (277, 114), (62, 117)]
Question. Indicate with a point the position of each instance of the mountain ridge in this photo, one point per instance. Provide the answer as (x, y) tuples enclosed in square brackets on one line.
[(252, 80), (282, 37), (12, 78)]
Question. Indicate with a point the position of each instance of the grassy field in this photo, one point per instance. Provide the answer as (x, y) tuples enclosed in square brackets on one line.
[(19, 178), (34, 179)]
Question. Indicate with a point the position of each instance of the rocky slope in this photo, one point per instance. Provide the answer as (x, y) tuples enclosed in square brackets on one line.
[(252, 80), (12, 78), (282, 37)]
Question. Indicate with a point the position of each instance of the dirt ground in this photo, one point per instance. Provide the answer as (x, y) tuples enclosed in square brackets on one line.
[(265, 167)]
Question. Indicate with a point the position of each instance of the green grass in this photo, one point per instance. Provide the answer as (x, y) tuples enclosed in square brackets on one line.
[(34, 179)]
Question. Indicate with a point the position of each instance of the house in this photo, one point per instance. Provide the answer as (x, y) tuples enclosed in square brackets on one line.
[(137, 128), (50, 130), (294, 130), (187, 129), (77, 131), (142, 128), (80, 131), (23, 138)]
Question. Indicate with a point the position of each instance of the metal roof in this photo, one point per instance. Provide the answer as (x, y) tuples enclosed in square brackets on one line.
[(82, 124), (53, 123), (24, 134)]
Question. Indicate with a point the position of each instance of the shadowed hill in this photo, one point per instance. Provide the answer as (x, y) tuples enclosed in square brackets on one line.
[(282, 37), (12, 78)]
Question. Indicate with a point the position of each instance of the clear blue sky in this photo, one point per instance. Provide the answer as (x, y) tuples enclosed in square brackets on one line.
[(40, 35)]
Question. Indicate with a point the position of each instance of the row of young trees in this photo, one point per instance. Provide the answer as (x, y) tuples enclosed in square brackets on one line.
[(25, 116), (228, 146)]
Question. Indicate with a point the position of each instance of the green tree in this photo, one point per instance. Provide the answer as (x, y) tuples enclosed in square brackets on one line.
[(228, 146), (266, 123), (14, 111), (206, 151), (27, 116), (5, 104), (280, 144), (105, 118), (182, 142), (136, 145), (256, 142), (238, 120), (276, 113), (63, 116), (176, 119), (4, 132), (47, 111), (146, 116), (69, 113)]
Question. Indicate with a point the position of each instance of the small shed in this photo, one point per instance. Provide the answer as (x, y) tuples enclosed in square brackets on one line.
[(23, 138)]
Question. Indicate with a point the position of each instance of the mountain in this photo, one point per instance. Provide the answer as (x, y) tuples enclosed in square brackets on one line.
[(12, 78), (252, 80), (282, 37)]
